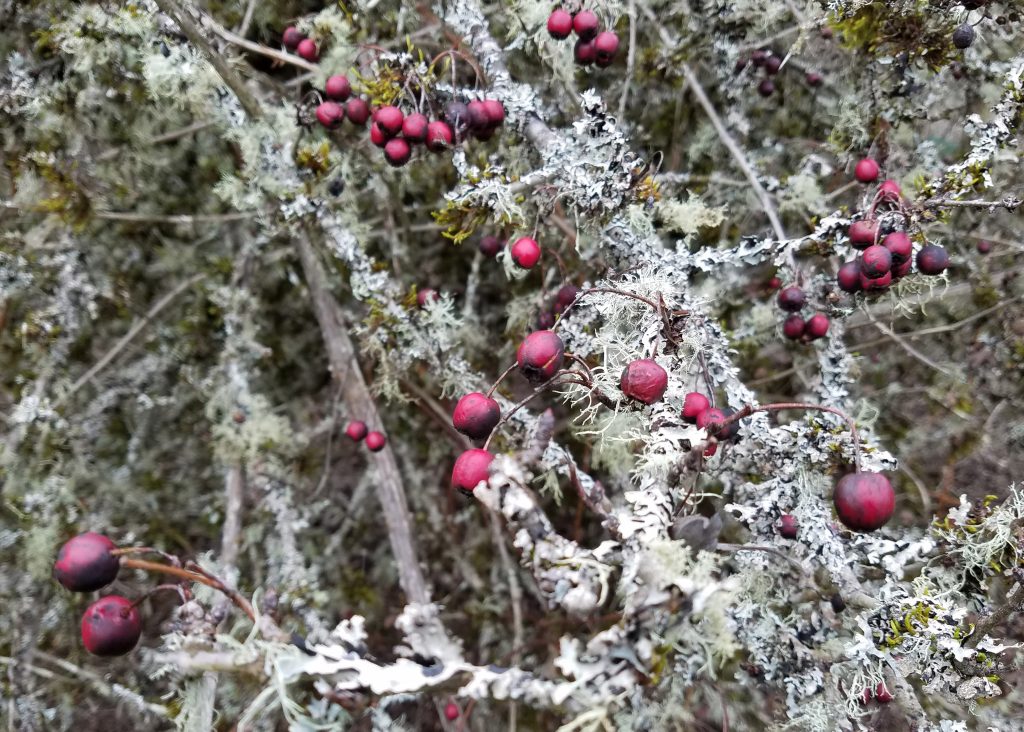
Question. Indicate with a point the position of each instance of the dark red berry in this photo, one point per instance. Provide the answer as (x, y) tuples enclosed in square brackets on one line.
[(414, 127), (377, 136), (375, 441), (476, 415), (772, 65), (867, 171), (774, 283), (356, 430), (491, 246), (307, 49), (759, 57), (848, 276), (788, 526), (525, 252), (813, 78), (694, 404), (644, 380), (766, 88), (606, 45), (565, 297), (559, 24), (545, 320), (426, 295), (932, 259), (389, 119), (791, 299), (875, 261), (85, 563), (111, 626), (863, 233), (495, 112), (793, 327), (397, 152), (357, 111), (826, 32), (451, 709), (984, 247), (711, 419), (477, 111), (816, 326), (338, 88), (898, 244), (890, 191), (439, 136), (586, 25), (291, 38), (471, 469), (330, 114), (864, 501), (902, 269), (879, 283), (540, 356), (585, 53)]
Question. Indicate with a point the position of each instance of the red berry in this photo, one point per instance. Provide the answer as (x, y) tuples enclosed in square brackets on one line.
[(566, 296), (772, 65), (585, 24), (338, 88), (694, 404), (477, 113), (788, 526), (491, 246), (866, 171), (476, 415), (356, 430), (525, 252), (792, 299), (932, 259), (414, 127), (864, 501), (111, 626), (389, 119), (330, 114), (426, 295), (85, 563), (793, 328), (439, 136), (357, 111), (882, 694), (606, 45), (898, 244), (377, 136), (711, 449), (759, 57), (848, 276), (644, 380), (471, 469), (902, 269), (397, 152), (863, 233), (890, 191), (375, 441), (495, 112), (451, 709), (291, 38), (817, 326), (766, 88), (585, 53), (307, 49), (875, 261), (559, 24), (774, 283), (711, 419), (813, 78), (879, 283), (540, 355), (984, 247)]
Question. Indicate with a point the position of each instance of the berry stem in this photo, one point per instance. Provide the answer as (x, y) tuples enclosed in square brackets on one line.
[(162, 588), (501, 378), (194, 573)]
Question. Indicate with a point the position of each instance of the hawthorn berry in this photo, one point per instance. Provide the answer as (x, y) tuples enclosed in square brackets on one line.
[(772, 65), (377, 136), (902, 269), (356, 430), (730, 430), (307, 49), (559, 24), (932, 259), (694, 404), (711, 420), (788, 526), (491, 246), (898, 244), (456, 114), (111, 626), (291, 38), (357, 111), (878, 283), (540, 356), (389, 119), (759, 57), (644, 380), (606, 45), (439, 136), (875, 261), (545, 320), (848, 276), (766, 88), (471, 469), (414, 127), (375, 441), (792, 299), (338, 88), (793, 327), (816, 326), (330, 114), (983, 246), (863, 233), (476, 415), (477, 112), (864, 501), (963, 36), (813, 78), (585, 53), (426, 295), (85, 563), (495, 112), (866, 170), (451, 709), (890, 191), (585, 24), (774, 284), (565, 297), (397, 152), (525, 252)]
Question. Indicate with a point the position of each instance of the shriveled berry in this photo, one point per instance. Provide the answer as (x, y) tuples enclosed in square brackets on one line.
[(864, 501), (291, 38), (875, 261), (525, 252), (451, 709), (375, 441), (357, 111), (586, 25), (793, 327), (788, 526), (471, 469), (111, 626), (491, 246), (585, 53), (932, 259), (338, 88), (85, 563), (766, 88), (307, 49), (890, 191), (426, 295), (694, 404), (414, 127), (476, 415), (330, 114), (356, 430), (984, 247), (495, 112), (898, 244), (439, 136), (389, 119), (848, 276), (540, 355), (963, 36), (879, 283), (816, 326), (644, 380), (792, 299), (559, 24), (866, 171), (606, 44), (397, 152)]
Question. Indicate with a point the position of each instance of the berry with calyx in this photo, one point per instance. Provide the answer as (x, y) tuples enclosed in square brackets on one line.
[(330, 114), (471, 469), (377, 136), (540, 356), (451, 709), (111, 626), (606, 45), (772, 65), (816, 326), (85, 563), (793, 327), (864, 501), (586, 25), (890, 191), (866, 171), (307, 49), (439, 136), (863, 233), (963, 36), (644, 380), (565, 297), (389, 119), (694, 404), (491, 246), (525, 252), (585, 53), (984, 247), (414, 127), (397, 152), (375, 441), (495, 112), (898, 244), (876, 261), (932, 259), (356, 430), (338, 88), (559, 24), (792, 299), (848, 276), (426, 295), (813, 78), (476, 415), (788, 526), (766, 88), (291, 38)]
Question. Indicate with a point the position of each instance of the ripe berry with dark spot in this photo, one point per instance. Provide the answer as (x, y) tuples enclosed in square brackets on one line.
[(357, 111), (793, 327), (813, 78), (566, 296), (792, 299), (866, 171), (766, 88), (491, 246), (414, 127), (607, 45), (585, 53), (307, 49), (389, 119), (377, 136), (772, 64), (375, 441), (586, 25), (471, 469), (559, 24), (863, 233), (540, 356), (848, 276), (694, 404), (711, 419), (338, 88), (932, 259), (875, 261), (644, 380), (85, 563), (291, 38), (476, 415), (330, 115), (451, 709), (879, 283), (963, 36), (426, 295), (984, 247), (898, 244), (111, 626), (439, 136), (788, 526), (864, 501), (525, 252), (356, 430), (397, 152), (890, 191), (816, 326)]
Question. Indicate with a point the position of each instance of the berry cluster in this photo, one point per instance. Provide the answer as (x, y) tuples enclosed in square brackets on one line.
[(593, 46), (357, 432), (293, 40), (792, 300), (697, 409), (771, 64)]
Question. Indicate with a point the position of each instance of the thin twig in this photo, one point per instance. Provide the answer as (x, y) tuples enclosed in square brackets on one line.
[(1014, 603), (182, 219), (273, 53), (627, 83)]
